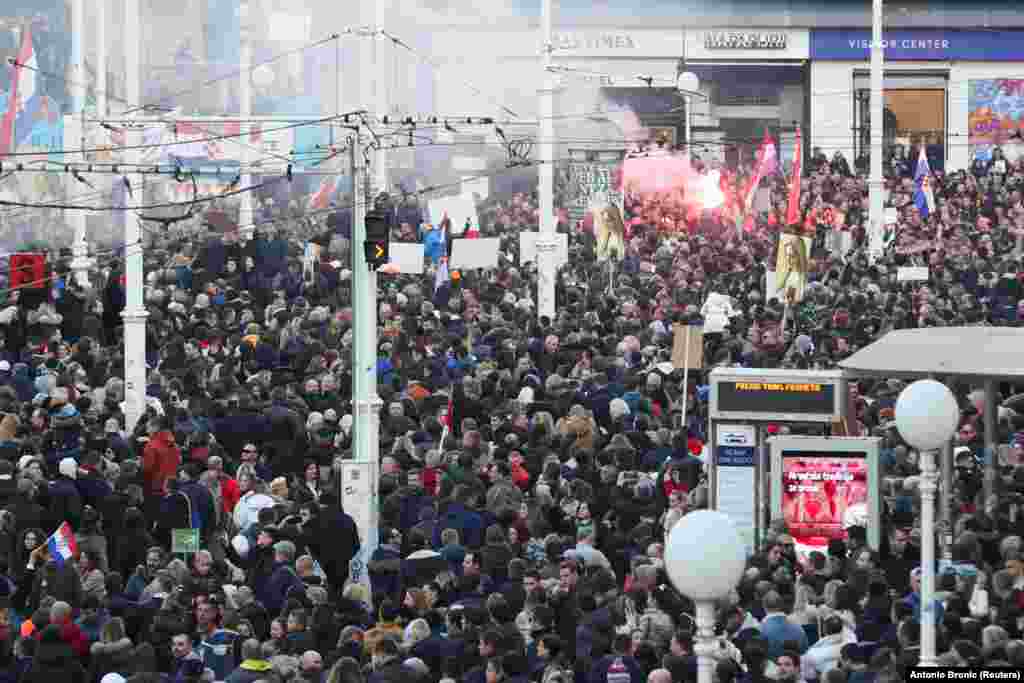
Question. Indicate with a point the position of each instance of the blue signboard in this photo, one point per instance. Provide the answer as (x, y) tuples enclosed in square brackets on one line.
[(938, 44), (736, 456)]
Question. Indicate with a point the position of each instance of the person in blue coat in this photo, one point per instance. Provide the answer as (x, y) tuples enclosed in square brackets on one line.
[(282, 579)]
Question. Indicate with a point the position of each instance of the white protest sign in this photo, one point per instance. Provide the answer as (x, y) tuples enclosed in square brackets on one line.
[(912, 274), (478, 253), (408, 256), (528, 247)]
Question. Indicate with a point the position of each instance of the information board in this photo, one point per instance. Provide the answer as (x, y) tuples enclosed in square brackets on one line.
[(736, 478), (823, 486), (776, 395)]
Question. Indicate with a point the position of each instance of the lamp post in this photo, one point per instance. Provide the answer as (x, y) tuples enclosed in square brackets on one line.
[(546, 242), (688, 85), (705, 558), (927, 416), (876, 182), (245, 207)]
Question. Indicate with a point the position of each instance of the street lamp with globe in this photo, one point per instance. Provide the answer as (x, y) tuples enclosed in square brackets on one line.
[(705, 559), (927, 416), (688, 86)]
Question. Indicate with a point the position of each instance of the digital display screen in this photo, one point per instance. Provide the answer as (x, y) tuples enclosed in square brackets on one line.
[(802, 398), (823, 495)]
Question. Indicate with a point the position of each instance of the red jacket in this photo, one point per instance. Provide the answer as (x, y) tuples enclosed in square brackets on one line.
[(160, 461), (73, 636), (229, 494)]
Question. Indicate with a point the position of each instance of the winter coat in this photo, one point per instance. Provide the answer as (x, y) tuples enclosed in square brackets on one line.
[(218, 653), (160, 461), (65, 502), (249, 671), (54, 661), (113, 657)]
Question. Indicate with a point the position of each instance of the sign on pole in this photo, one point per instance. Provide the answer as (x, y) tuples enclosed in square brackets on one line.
[(185, 541), (735, 464)]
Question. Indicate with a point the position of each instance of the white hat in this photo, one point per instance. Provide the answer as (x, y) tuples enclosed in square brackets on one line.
[(113, 678), (5, 366), (68, 467)]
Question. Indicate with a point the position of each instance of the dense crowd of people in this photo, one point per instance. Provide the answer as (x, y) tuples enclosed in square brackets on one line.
[(530, 468)]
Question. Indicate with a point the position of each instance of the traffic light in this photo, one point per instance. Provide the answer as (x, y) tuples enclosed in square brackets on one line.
[(378, 235)]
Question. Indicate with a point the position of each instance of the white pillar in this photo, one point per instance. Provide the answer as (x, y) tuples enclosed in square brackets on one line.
[(77, 83), (132, 42), (134, 314), (546, 271), (245, 210), (101, 58), (704, 642), (80, 263), (876, 181), (365, 402), (381, 72), (928, 487)]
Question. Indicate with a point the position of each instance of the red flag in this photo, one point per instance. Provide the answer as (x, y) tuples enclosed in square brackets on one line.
[(765, 166), (19, 76), (793, 208)]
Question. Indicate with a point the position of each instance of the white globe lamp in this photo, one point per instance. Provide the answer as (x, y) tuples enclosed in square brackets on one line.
[(688, 82), (927, 416), (705, 559), (263, 76)]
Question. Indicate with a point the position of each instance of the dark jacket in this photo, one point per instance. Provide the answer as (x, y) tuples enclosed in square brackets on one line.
[(54, 661), (65, 502), (113, 657), (277, 586)]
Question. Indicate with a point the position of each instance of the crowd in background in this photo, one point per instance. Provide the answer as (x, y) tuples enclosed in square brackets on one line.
[(530, 468)]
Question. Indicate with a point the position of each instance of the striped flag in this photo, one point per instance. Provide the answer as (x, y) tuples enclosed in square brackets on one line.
[(23, 89), (62, 544)]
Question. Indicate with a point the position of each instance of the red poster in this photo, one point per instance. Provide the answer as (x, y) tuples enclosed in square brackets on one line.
[(822, 496)]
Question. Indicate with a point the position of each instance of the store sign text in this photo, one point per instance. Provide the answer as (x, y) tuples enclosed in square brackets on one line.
[(906, 44), (608, 41), (744, 40)]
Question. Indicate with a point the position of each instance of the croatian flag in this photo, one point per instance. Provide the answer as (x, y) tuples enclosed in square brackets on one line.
[(62, 544), (23, 89), (924, 200)]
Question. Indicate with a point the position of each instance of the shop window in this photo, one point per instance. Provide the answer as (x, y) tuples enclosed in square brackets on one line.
[(914, 115)]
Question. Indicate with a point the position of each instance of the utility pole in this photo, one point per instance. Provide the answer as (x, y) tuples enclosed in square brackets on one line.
[(875, 181), (245, 209), (135, 313), (101, 59), (360, 479), (547, 244), (81, 264)]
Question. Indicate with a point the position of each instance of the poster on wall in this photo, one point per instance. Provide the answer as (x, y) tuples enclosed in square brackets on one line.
[(995, 113), (822, 487), (591, 182)]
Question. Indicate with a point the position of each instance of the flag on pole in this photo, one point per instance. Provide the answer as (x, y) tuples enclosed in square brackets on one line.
[(793, 207), (23, 88), (767, 162), (62, 544), (441, 277), (924, 200)]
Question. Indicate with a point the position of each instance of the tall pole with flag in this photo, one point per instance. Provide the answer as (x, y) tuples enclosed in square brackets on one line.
[(767, 161), (876, 198), (793, 206), (924, 199)]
